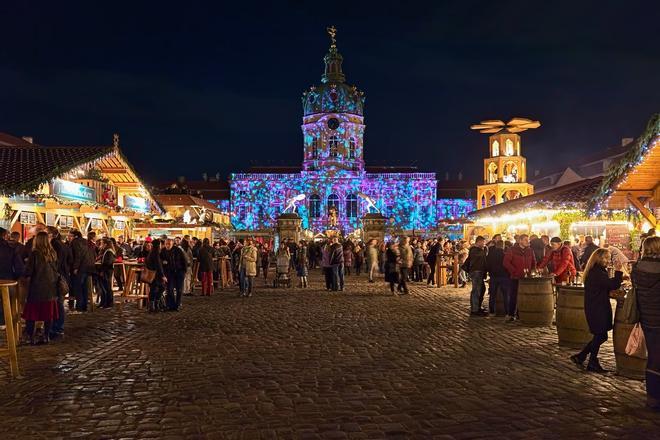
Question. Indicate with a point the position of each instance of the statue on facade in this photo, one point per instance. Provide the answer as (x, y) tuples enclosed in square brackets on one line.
[(291, 203), (332, 217), (371, 203)]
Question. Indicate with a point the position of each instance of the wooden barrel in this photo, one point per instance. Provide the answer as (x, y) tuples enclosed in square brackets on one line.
[(572, 327), (628, 366), (536, 301)]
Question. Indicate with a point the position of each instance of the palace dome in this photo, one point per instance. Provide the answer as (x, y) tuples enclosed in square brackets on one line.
[(333, 95)]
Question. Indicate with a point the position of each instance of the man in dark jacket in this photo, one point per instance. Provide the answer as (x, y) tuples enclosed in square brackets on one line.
[(175, 266), (337, 264), (432, 259), (81, 268), (476, 265), (519, 260), (589, 248), (538, 245), (11, 265), (499, 277), (64, 261)]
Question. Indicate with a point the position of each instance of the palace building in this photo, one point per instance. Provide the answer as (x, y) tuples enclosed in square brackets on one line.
[(333, 186)]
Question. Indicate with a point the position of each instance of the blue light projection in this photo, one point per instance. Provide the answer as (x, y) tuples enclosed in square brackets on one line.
[(333, 168), (258, 199)]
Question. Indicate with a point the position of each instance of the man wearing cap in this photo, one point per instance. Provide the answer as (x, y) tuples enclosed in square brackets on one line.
[(561, 257)]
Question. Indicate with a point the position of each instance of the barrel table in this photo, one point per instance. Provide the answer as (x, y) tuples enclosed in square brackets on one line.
[(628, 366), (572, 328), (536, 301)]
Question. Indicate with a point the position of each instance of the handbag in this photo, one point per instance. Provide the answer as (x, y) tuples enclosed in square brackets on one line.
[(147, 276), (636, 345), (630, 310), (62, 286)]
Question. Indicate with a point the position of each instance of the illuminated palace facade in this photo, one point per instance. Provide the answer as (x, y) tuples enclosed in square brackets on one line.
[(333, 176)]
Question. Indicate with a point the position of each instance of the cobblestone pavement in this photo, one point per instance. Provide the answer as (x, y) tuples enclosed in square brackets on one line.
[(308, 364)]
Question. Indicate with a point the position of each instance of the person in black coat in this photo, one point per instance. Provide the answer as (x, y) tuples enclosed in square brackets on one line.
[(11, 264), (392, 264), (597, 307), (105, 272), (175, 265), (432, 259), (64, 263), (206, 266), (499, 277), (646, 280), (81, 268), (157, 286), (589, 249)]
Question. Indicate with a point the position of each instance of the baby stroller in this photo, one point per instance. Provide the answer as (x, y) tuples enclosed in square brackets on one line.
[(282, 278)]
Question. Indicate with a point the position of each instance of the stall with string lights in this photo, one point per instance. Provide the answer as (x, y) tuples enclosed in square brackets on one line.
[(90, 188)]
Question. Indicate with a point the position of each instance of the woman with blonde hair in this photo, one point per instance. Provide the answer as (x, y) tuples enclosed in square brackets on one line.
[(646, 280), (41, 302), (597, 308)]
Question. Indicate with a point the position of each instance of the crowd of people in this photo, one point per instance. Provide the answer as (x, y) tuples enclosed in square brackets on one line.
[(603, 270), (53, 266)]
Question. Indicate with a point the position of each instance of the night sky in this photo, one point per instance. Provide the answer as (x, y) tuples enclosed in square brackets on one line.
[(195, 88)]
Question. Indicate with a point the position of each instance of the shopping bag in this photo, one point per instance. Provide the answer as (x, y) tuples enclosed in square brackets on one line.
[(636, 345)]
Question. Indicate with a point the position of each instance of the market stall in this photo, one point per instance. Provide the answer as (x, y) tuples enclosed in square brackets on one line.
[(185, 215), (87, 188)]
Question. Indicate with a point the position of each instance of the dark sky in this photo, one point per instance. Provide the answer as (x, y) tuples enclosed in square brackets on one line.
[(216, 87)]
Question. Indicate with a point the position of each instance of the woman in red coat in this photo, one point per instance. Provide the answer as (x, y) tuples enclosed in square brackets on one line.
[(597, 308)]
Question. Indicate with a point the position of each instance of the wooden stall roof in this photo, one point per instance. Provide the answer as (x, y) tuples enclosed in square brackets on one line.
[(635, 178), (166, 200), (573, 195), (24, 167)]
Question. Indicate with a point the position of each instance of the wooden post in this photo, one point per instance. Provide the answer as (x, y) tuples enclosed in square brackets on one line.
[(10, 328), (455, 270)]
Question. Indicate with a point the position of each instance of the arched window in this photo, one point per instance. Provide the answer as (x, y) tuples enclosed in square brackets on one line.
[(351, 148), (315, 148), (351, 206), (333, 201), (314, 206), (510, 172), (496, 148), (508, 147), (333, 145), (492, 172)]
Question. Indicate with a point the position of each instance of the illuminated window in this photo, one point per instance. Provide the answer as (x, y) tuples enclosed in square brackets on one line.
[(333, 201), (492, 172), (508, 147), (351, 148), (510, 172), (333, 145), (315, 148), (351, 206), (496, 148), (314, 206)]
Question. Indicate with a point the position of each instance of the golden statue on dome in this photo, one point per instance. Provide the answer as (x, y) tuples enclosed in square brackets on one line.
[(332, 31)]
